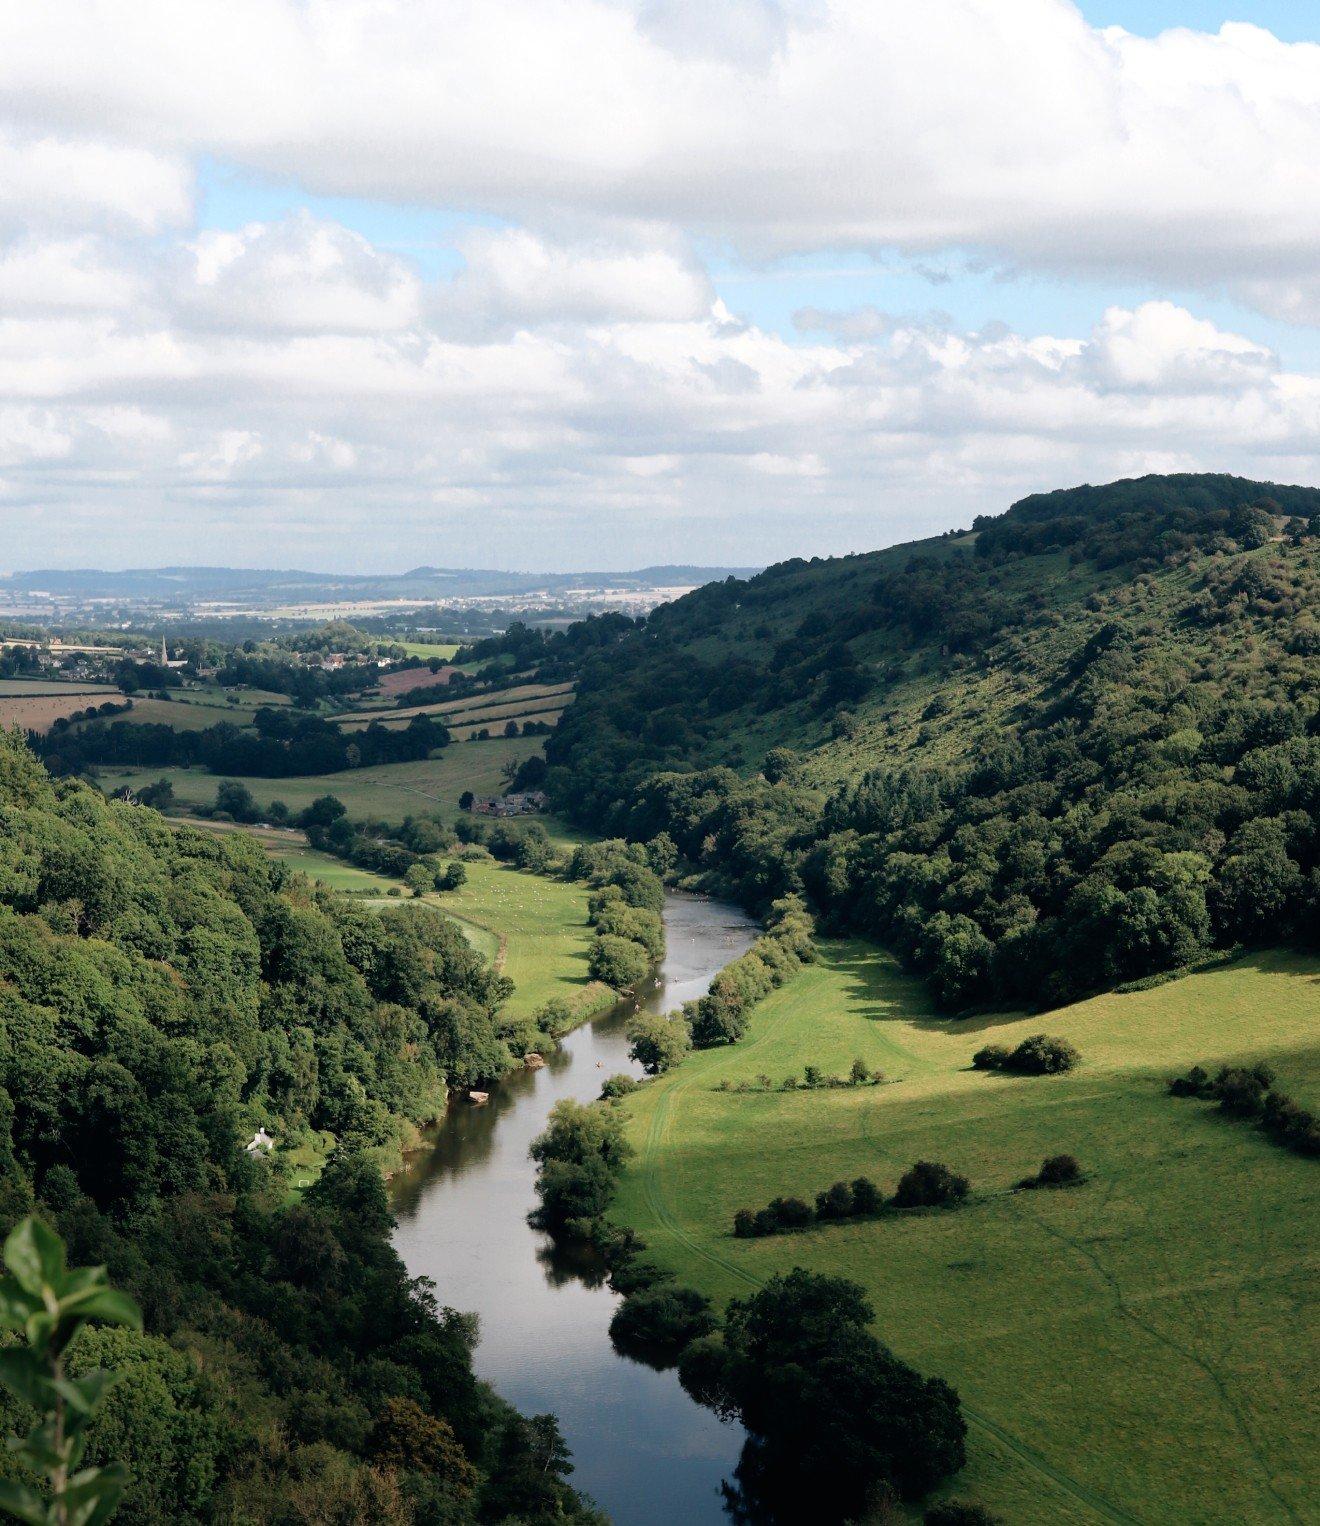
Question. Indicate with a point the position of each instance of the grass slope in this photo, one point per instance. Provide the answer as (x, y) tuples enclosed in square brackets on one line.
[(388, 792), (1138, 1349)]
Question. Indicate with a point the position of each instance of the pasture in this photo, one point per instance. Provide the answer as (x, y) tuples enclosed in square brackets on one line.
[(444, 650), (40, 712), (1141, 1348), (388, 792)]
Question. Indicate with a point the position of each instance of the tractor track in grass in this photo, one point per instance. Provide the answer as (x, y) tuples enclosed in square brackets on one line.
[(662, 1118)]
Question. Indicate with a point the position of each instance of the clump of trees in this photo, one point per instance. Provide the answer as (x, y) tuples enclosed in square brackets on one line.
[(926, 1185), (280, 745), (625, 909), (579, 1159), (658, 1043), (929, 1184), (1250, 1094), (830, 1412), (1039, 1055), (656, 1324)]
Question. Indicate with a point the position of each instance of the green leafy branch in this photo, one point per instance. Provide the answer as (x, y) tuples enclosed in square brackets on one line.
[(47, 1304)]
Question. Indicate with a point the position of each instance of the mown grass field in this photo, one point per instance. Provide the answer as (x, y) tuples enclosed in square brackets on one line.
[(1142, 1348), (533, 928), (385, 793), (444, 650)]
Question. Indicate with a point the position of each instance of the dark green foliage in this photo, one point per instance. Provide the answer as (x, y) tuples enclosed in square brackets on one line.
[(658, 1043), (579, 1156), (1146, 791), (619, 962), (45, 1304), (280, 745), (1039, 1055), (720, 1017), (1056, 1171), (929, 1184), (615, 1088), (959, 1513), (163, 993), (831, 1413), (658, 1322), (1251, 1095)]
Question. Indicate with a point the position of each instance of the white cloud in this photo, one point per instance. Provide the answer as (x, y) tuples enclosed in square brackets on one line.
[(293, 390), (297, 276), (1008, 126), (577, 392), (514, 276), (64, 183)]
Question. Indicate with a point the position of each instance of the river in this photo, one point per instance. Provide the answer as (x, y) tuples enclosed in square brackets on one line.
[(642, 1449)]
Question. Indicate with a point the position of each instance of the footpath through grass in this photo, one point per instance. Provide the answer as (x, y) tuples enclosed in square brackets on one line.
[(1142, 1348)]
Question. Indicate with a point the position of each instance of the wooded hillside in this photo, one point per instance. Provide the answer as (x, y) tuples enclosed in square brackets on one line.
[(1074, 746)]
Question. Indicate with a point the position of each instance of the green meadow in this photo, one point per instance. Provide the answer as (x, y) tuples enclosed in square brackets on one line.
[(1139, 1348), (533, 928), (388, 792)]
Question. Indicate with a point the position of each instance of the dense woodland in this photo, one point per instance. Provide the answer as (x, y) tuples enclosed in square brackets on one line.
[(1076, 746), (162, 995), (280, 745)]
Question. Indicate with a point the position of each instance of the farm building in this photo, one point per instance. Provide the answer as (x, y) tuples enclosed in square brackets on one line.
[(525, 803)]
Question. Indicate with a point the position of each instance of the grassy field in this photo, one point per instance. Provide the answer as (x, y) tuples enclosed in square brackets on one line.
[(386, 793), (532, 928), (444, 650), (1142, 1348)]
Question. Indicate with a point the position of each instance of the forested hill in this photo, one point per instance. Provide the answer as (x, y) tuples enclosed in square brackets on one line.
[(1071, 747), (164, 994)]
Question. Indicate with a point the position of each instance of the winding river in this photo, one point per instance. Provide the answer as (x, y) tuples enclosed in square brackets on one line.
[(642, 1449)]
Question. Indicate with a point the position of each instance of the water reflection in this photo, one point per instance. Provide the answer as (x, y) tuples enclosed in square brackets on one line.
[(643, 1450)]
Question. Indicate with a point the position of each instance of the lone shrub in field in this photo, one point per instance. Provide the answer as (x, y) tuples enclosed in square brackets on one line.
[(1040, 1055), (930, 1185), (1056, 1171)]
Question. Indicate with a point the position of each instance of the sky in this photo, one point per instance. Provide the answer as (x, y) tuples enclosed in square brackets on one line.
[(595, 284)]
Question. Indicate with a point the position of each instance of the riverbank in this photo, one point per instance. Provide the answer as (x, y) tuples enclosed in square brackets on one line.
[(1094, 1335), (642, 1449)]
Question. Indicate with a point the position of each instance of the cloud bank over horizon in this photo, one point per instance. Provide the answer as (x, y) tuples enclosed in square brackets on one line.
[(566, 375)]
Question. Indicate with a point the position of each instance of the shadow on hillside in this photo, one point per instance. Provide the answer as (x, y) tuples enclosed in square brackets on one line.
[(886, 992)]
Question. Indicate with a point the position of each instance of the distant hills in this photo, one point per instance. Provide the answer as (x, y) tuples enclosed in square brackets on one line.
[(272, 587)]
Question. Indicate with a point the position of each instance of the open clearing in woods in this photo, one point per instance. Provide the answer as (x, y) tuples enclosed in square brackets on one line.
[(532, 927), (1140, 1348)]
